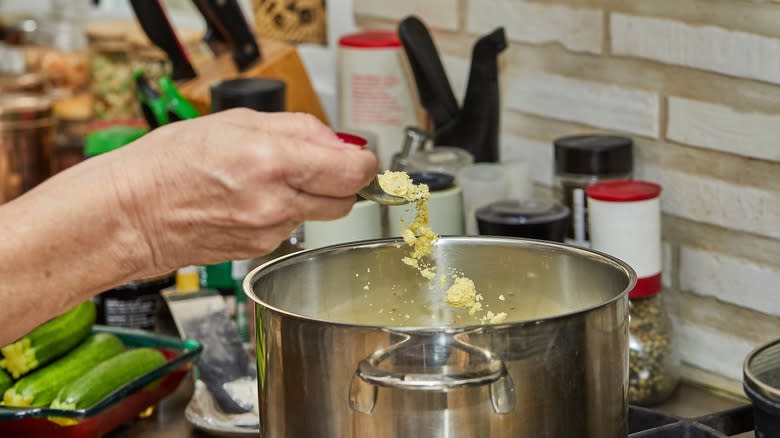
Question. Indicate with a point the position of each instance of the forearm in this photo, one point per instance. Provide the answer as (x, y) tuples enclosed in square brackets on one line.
[(63, 242)]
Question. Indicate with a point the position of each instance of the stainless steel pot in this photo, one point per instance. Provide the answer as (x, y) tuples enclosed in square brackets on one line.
[(333, 362)]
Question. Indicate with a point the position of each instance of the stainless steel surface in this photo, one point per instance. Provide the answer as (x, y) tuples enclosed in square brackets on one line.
[(762, 370), (374, 192), (338, 374), (27, 155)]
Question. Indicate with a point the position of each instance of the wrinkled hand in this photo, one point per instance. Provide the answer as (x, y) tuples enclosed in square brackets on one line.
[(233, 185)]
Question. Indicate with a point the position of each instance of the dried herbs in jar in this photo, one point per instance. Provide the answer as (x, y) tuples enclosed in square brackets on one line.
[(653, 360)]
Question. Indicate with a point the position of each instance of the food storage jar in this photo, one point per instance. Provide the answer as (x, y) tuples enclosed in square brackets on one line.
[(112, 71), (625, 221), (581, 160)]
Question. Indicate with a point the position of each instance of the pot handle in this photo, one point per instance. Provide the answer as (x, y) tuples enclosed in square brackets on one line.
[(491, 371)]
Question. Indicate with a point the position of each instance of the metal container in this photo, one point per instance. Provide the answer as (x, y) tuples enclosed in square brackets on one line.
[(353, 343), (27, 155), (761, 381)]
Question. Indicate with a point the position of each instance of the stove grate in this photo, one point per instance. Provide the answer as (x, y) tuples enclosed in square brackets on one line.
[(647, 423)]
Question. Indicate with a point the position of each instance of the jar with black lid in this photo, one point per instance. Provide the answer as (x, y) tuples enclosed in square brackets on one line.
[(134, 304), (582, 160)]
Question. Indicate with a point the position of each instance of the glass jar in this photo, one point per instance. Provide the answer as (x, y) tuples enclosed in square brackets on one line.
[(654, 364), (112, 72), (582, 160), (58, 49)]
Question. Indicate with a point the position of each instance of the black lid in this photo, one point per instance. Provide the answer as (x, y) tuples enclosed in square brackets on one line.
[(259, 94), (534, 219), (436, 181), (594, 154)]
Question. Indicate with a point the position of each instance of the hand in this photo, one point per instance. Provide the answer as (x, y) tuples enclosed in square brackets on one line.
[(233, 185)]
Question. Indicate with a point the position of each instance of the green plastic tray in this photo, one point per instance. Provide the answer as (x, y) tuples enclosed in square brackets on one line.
[(120, 406)]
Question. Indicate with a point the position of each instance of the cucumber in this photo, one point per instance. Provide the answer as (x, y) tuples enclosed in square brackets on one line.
[(39, 388), (5, 381), (107, 377), (49, 340)]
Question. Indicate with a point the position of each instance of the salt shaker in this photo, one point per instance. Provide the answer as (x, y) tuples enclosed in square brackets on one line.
[(625, 221), (581, 160)]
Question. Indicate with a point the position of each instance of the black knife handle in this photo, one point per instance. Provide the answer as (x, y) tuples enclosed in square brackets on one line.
[(155, 24), (215, 35), (433, 86), (228, 13)]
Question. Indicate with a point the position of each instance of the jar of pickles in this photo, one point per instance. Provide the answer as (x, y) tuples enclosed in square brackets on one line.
[(112, 72), (625, 221)]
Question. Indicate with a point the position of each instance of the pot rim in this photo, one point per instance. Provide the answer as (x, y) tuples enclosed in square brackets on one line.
[(251, 278), (750, 378)]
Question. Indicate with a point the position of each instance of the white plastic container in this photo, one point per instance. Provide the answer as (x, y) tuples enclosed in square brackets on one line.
[(362, 223), (482, 183), (374, 90)]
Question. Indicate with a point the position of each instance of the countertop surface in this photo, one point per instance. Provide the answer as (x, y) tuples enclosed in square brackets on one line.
[(168, 421)]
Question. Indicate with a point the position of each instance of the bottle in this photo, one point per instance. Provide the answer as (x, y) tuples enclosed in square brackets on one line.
[(581, 160), (625, 221)]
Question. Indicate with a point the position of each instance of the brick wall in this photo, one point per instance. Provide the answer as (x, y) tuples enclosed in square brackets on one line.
[(697, 85)]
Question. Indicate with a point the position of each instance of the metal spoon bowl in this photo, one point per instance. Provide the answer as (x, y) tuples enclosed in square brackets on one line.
[(374, 192)]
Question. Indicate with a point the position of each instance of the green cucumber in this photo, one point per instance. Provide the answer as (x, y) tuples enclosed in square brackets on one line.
[(49, 340), (5, 381), (107, 377), (39, 388)]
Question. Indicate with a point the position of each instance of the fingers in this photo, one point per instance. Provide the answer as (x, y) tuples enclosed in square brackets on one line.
[(291, 125), (327, 172)]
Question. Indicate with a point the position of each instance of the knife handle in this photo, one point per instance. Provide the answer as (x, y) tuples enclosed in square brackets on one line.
[(228, 13), (155, 24)]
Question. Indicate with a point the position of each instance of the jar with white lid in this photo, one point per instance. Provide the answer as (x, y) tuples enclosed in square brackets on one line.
[(625, 222)]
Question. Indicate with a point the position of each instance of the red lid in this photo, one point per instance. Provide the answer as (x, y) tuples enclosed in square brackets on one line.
[(646, 287), (371, 40), (623, 191), (352, 139)]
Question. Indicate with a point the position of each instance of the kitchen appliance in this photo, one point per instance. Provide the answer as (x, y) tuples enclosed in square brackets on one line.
[(474, 126), (347, 332)]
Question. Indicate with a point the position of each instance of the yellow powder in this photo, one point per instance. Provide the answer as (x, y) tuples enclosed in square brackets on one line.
[(494, 318), (421, 238), (418, 234)]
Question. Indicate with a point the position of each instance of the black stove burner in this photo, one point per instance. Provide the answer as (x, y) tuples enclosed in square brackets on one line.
[(647, 423)]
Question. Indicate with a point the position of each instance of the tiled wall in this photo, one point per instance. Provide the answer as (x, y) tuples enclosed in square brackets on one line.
[(697, 84)]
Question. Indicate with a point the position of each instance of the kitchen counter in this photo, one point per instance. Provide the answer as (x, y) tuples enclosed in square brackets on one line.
[(168, 420)]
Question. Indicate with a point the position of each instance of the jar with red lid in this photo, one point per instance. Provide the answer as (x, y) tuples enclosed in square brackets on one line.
[(625, 221)]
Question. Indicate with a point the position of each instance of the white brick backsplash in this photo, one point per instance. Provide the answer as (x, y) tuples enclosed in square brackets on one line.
[(577, 29), (719, 127), (457, 72), (441, 14), (592, 103), (716, 202), (710, 48), (730, 279), (712, 350), (538, 154)]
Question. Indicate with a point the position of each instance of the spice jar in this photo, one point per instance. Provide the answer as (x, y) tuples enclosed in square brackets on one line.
[(581, 160), (112, 72), (625, 221)]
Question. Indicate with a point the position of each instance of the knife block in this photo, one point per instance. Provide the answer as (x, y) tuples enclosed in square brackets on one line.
[(280, 61)]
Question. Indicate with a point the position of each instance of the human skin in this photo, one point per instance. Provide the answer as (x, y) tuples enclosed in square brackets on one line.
[(227, 186)]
